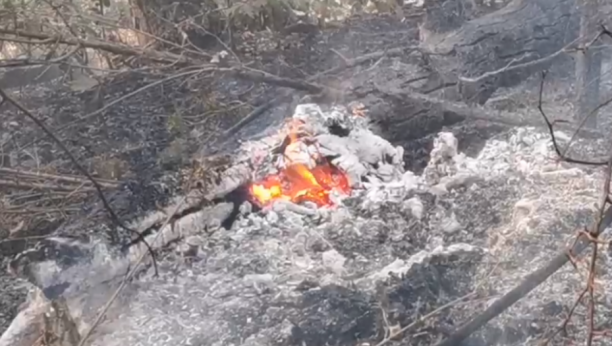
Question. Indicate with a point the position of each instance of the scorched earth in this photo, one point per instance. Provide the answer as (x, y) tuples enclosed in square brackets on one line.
[(336, 243)]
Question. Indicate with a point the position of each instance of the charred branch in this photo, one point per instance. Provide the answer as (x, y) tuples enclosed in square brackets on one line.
[(115, 48), (494, 42), (79, 167)]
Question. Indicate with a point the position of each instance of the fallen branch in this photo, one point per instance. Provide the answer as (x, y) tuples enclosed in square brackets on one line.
[(64, 178), (264, 77), (346, 63), (250, 74), (530, 282), (476, 113), (593, 237), (115, 48), (127, 279), (21, 185), (368, 57), (35, 211), (583, 240), (421, 320), (126, 96), (538, 62), (75, 162)]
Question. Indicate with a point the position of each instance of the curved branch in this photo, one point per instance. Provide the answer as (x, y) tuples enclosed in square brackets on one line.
[(75, 162)]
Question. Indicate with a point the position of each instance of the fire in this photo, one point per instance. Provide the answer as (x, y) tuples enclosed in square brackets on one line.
[(299, 183)]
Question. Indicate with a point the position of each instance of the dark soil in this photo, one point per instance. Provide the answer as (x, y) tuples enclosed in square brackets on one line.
[(146, 140)]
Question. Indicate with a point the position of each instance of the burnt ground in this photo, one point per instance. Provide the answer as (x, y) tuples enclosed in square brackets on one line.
[(147, 139)]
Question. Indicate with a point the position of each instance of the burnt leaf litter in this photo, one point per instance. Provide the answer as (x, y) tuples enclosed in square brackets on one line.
[(229, 289)]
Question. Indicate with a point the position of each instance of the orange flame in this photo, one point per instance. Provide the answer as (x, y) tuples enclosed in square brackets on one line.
[(297, 183)]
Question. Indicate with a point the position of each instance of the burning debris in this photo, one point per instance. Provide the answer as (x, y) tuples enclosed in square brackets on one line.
[(333, 243), (320, 156)]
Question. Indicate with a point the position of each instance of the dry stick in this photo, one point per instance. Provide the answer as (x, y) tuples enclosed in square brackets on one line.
[(591, 280), (39, 211), (127, 278), (550, 126), (76, 163), (255, 75), (542, 61), (99, 18), (34, 237), (591, 276), (589, 287), (346, 63), (510, 67), (478, 113), (426, 317), (603, 32), (567, 320), (66, 178), (122, 98), (22, 185), (114, 48), (261, 76), (583, 122), (537, 277), (529, 283)]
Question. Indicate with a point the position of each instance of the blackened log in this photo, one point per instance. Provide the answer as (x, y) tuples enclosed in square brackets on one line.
[(523, 31)]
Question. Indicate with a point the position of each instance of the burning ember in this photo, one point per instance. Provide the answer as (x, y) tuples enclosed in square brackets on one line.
[(297, 182)]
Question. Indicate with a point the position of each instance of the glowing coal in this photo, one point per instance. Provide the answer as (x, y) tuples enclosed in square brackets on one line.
[(309, 160), (298, 183), (306, 177)]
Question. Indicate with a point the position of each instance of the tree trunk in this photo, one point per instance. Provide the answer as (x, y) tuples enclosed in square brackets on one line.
[(588, 65)]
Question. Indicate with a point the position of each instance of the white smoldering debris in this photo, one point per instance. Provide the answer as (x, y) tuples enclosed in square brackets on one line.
[(194, 223), (361, 154), (391, 226), (401, 267), (527, 152)]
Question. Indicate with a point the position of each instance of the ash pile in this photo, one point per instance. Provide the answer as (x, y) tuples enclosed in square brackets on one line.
[(315, 234)]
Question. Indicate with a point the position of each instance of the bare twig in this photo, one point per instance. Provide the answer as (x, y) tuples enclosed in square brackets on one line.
[(262, 76), (583, 240), (510, 67), (344, 59), (64, 178), (127, 279), (98, 18), (551, 131), (126, 96), (590, 284), (35, 211), (583, 122), (79, 167), (530, 282), (115, 48), (347, 63), (23, 185), (422, 319)]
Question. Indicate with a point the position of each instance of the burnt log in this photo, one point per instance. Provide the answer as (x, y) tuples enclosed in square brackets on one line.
[(411, 119), (476, 56)]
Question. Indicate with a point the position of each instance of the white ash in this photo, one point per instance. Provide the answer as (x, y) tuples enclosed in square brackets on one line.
[(486, 221), (319, 122), (401, 267), (361, 154), (208, 218)]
